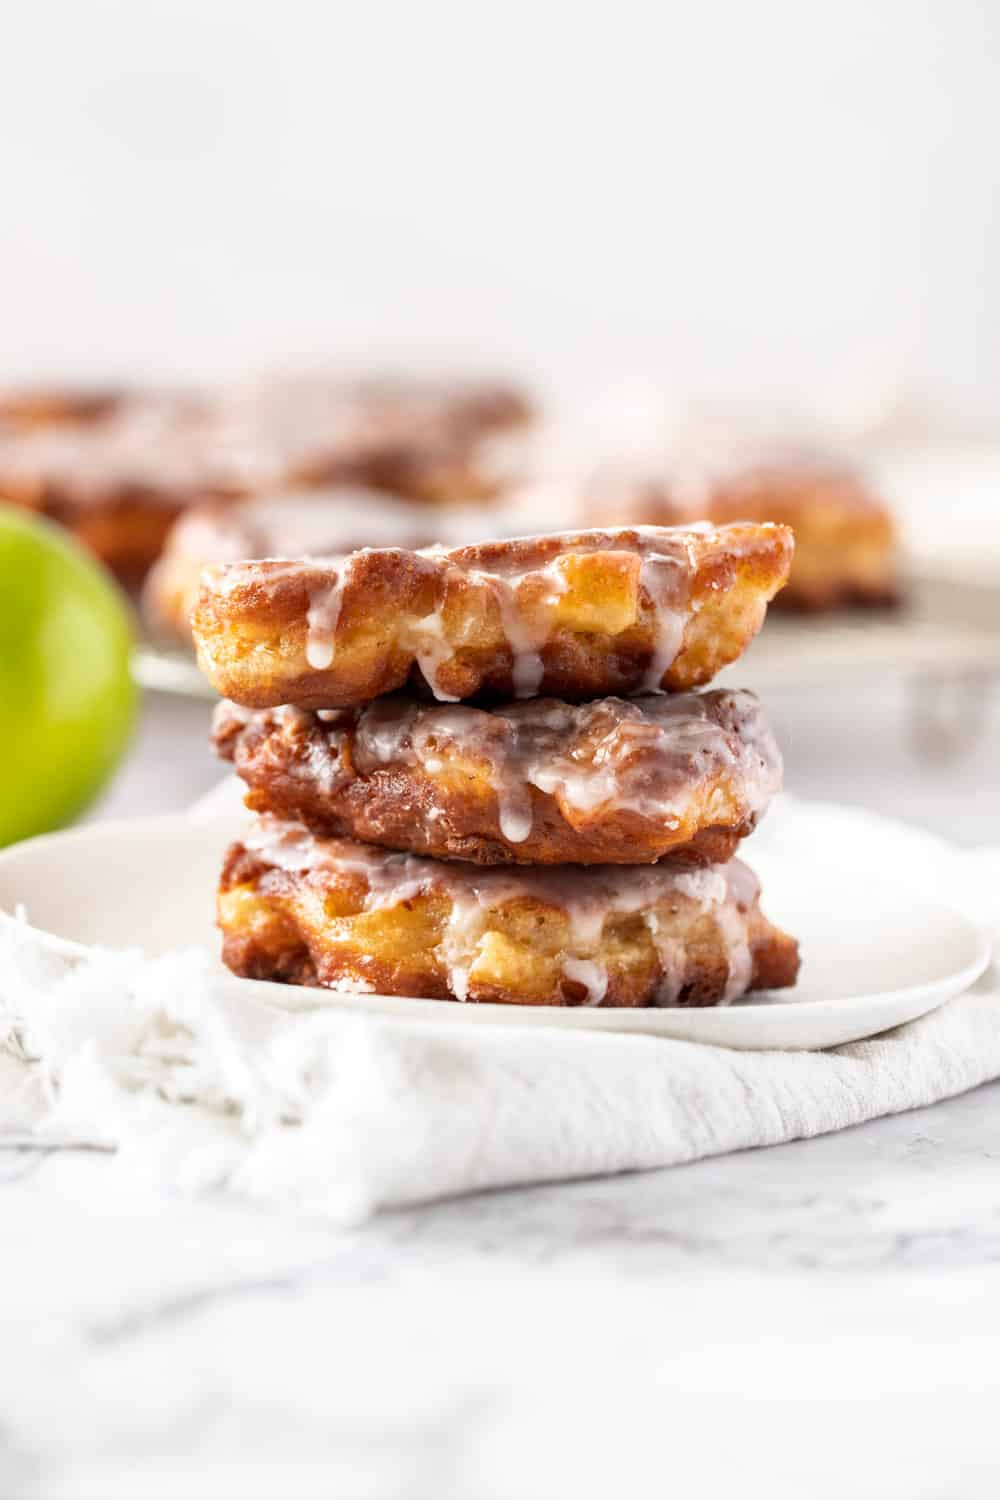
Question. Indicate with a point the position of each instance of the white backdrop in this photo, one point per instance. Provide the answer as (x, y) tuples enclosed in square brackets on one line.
[(781, 195)]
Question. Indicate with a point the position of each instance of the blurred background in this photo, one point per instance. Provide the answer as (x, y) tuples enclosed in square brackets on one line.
[(784, 215), (768, 199)]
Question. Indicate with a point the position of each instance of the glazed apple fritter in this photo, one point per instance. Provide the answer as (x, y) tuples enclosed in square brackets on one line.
[(575, 616), (543, 782), (342, 915)]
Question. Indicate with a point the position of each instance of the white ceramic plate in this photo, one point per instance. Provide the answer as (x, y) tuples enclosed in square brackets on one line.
[(872, 958)]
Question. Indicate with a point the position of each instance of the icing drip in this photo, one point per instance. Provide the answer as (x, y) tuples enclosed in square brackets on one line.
[(460, 940), (526, 600), (664, 579), (673, 960), (391, 731), (321, 621), (515, 814), (592, 975), (707, 886), (527, 621), (733, 928), (326, 600), (528, 672), (432, 649), (287, 846), (711, 889)]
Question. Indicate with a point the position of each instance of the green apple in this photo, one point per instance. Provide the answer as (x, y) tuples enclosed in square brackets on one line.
[(67, 702)]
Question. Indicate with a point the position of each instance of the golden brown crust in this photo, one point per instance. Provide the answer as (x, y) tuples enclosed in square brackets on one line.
[(846, 547), (336, 914), (577, 615), (543, 782)]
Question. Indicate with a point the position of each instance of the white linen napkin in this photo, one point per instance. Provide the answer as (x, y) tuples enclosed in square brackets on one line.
[(344, 1114)]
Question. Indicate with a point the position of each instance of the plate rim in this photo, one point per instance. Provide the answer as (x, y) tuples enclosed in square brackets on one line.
[(628, 1021)]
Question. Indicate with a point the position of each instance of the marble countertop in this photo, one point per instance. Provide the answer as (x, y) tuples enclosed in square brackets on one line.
[(815, 1319)]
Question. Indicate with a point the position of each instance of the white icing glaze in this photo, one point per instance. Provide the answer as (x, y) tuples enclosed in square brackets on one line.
[(526, 626), (515, 813), (325, 765), (664, 579), (673, 960), (649, 756), (526, 629), (707, 886), (592, 975), (287, 846)]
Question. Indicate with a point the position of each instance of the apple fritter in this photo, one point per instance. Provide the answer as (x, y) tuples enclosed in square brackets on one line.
[(619, 781), (342, 915), (575, 615)]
